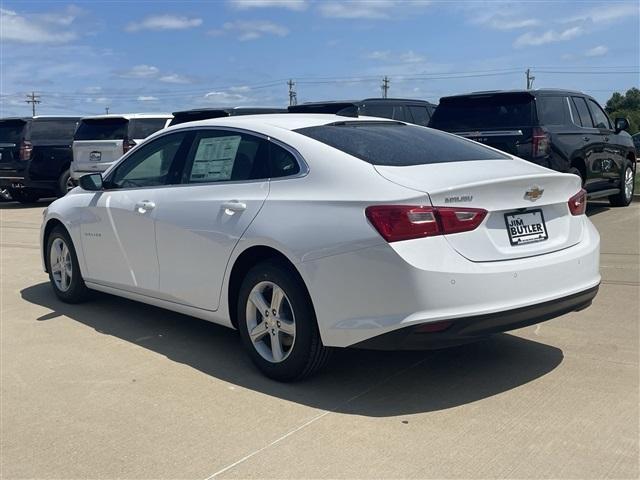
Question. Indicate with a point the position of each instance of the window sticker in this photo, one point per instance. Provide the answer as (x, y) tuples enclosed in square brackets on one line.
[(214, 159)]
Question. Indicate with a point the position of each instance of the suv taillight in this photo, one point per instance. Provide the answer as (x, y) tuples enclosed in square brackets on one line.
[(404, 222), (127, 145), (578, 203), (26, 148), (540, 143)]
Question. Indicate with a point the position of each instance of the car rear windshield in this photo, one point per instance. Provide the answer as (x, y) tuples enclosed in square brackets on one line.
[(140, 128), (102, 129), (397, 144), (12, 131), (59, 130), (484, 112)]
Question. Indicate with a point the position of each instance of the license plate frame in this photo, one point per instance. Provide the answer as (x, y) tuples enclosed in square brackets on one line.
[(526, 238)]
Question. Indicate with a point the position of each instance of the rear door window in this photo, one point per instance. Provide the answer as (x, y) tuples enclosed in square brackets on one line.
[(600, 118), (102, 129), (553, 110), (12, 131), (484, 112), (57, 130), (140, 128), (282, 162), (584, 118), (420, 115), (223, 156), (396, 144)]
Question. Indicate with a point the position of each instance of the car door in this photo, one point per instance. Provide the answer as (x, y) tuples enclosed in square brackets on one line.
[(225, 183), (592, 144), (118, 232), (612, 163)]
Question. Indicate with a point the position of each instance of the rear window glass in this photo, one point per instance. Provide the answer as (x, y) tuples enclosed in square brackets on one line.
[(102, 129), (59, 130), (12, 131), (140, 128), (420, 115), (395, 144), (553, 111), (484, 112)]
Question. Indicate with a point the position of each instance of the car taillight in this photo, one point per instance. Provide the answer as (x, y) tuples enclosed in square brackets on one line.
[(540, 143), (404, 222), (25, 151), (127, 145), (578, 203)]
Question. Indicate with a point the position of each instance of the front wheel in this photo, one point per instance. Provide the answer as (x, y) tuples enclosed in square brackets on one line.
[(63, 268), (278, 325), (627, 184)]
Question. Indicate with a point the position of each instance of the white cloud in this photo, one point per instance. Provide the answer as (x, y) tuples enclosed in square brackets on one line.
[(147, 98), (240, 88), (174, 78), (598, 51), (225, 98), (608, 13), (378, 55), (405, 57), (164, 22), (296, 5), (35, 29), (550, 36), (368, 9), (251, 29), (502, 22), (141, 71)]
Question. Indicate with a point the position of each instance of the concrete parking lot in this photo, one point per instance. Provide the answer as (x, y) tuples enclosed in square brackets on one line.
[(112, 388)]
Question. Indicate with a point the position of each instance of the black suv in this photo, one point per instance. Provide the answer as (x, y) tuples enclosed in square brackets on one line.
[(412, 111), (207, 113), (35, 154), (564, 130)]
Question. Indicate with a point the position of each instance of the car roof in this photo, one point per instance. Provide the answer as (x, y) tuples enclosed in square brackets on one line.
[(128, 116), (533, 93), (285, 121), (359, 102)]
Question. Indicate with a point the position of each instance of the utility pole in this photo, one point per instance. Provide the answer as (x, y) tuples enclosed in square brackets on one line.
[(293, 96), (33, 99), (106, 110), (530, 79), (385, 86)]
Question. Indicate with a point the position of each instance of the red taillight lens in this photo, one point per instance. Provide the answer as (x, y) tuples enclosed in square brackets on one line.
[(25, 151), (127, 145), (540, 143), (404, 222), (578, 203)]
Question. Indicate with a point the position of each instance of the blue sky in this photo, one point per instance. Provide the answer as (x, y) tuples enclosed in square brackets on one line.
[(163, 55)]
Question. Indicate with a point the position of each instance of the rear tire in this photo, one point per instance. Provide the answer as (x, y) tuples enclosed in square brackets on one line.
[(63, 267), (577, 172), (65, 183), (627, 185), (284, 342)]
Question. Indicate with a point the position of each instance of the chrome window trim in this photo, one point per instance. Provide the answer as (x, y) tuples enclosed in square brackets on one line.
[(302, 164)]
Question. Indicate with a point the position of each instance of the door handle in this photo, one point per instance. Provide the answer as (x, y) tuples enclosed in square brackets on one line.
[(606, 139), (145, 206), (586, 139), (234, 206)]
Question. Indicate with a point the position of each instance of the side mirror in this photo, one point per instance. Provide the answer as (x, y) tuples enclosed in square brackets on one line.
[(91, 182), (621, 124)]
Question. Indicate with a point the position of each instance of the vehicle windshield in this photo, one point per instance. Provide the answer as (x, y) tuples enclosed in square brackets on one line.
[(398, 144), (102, 129), (58, 130), (484, 112), (12, 131)]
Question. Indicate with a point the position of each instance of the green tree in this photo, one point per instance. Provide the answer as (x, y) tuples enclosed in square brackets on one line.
[(628, 106)]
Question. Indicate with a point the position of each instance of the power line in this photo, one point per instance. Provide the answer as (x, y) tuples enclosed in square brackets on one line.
[(385, 86), (33, 99)]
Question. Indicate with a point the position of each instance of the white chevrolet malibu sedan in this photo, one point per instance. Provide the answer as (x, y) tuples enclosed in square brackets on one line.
[(307, 232)]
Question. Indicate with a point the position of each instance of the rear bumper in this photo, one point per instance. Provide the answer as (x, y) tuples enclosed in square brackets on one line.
[(17, 180), (463, 330), (77, 171)]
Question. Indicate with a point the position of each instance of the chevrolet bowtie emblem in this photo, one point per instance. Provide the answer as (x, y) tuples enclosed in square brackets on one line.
[(534, 193)]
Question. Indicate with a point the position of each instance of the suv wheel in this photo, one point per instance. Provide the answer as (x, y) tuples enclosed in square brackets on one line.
[(575, 171), (65, 183), (277, 323), (627, 184), (63, 268)]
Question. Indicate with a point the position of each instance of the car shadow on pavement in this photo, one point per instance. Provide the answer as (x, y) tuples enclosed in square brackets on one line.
[(596, 207), (359, 382), (11, 205)]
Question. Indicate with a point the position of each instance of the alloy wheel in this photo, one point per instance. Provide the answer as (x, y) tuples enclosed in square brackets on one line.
[(270, 321), (628, 183), (61, 264), (69, 184)]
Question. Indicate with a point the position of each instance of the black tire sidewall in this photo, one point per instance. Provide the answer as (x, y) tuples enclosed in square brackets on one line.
[(77, 290), (62, 183), (306, 327)]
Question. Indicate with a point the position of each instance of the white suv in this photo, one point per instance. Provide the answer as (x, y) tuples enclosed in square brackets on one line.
[(101, 140)]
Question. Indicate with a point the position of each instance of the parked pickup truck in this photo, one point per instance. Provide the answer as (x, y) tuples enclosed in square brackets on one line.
[(35, 155)]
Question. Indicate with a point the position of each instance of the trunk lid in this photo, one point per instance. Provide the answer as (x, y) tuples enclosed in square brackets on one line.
[(98, 142), (499, 186)]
